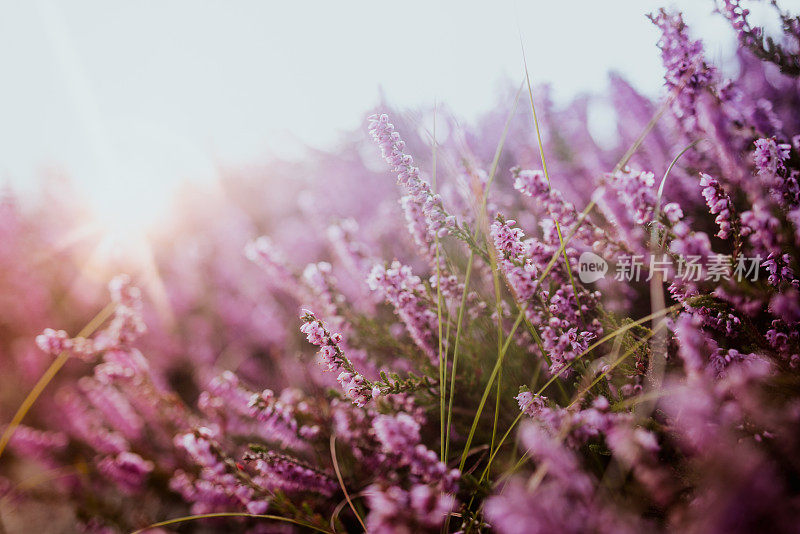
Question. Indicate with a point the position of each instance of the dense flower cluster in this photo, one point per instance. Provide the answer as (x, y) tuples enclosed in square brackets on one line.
[(514, 372)]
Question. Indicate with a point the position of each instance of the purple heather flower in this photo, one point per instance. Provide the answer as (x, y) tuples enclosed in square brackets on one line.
[(355, 386), (673, 212), (531, 183), (687, 73), (695, 346), (534, 184), (281, 472), (53, 342), (399, 436), (786, 306), (719, 204), (39, 444), (514, 262), (425, 214), (116, 408), (127, 469), (780, 270), (762, 230), (531, 404), (264, 253), (394, 510), (405, 291), (343, 238), (770, 156), (637, 192)]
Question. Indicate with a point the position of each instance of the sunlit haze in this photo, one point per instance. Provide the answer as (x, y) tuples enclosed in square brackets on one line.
[(130, 99)]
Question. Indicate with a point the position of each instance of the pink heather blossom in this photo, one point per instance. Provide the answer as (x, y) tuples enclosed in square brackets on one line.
[(114, 406), (637, 191), (330, 354), (425, 214), (518, 268), (394, 510), (128, 470), (263, 252), (280, 472), (54, 341), (405, 291), (38, 444), (770, 156), (534, 184), (719, 203), (686, 71), (399, 436)]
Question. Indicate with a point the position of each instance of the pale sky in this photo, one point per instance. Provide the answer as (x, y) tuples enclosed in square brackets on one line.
[(133, 97)]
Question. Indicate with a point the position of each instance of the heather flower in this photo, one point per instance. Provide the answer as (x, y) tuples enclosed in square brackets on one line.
[(532, 405), (786, 306), (780, 270), (240, 411), (425, 214), (673, 212), (508, 240), (124, 293), (534, 184), (225, 389), (719, 204), (206, 496), (637, 449), (200, 447), (38, 444), (762, 230), (692, 250), (518, 268), (127, 469), (531, 183), (53, 341), (167, 418), (127, 324), (318, 277), (405, 291), (562, 500), (636, 190), (281, 472), (687, 73), (399, 435), (88, 425), (753, 38), (263, 252), (770, 161), (770, 156), (695, 345), (116, 408), (355, 386), (343, 239), (721, 359), (219, 485), (394, 509)]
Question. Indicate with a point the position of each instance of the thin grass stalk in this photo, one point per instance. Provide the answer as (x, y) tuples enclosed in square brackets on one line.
[(459, 322), (48, 376), (188, 518), (547, 177)]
